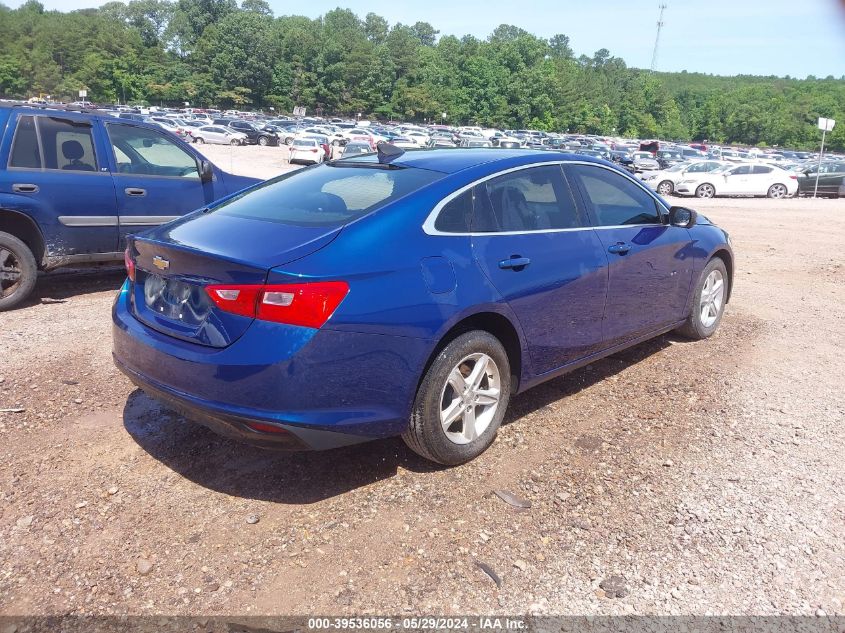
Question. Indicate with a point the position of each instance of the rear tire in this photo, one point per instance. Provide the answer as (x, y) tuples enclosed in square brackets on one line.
[(705, 190), (708, 301), (777, 191), (18, 271), (198, 140), (461, 401)]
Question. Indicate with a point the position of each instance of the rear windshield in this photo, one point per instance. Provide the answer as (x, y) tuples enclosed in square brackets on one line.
[(326, 196)]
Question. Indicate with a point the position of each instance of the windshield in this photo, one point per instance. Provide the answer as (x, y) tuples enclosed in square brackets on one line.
[(331, 195)]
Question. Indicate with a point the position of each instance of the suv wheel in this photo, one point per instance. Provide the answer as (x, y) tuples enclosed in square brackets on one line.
[(18, 271), (461, 401)]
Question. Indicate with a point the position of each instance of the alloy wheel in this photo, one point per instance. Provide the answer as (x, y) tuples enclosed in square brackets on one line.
[(470, 398), (777, 191), (664, 188), (705, 191), (712, 298)]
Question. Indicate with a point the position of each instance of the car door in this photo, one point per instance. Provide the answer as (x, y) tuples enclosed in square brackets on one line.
[(761, 178), (58, 175), (736, 181), (156, 180), (650, 266), (537, 249)]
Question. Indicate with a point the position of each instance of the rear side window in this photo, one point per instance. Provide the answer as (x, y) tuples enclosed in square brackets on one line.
[(25, 153), (532, 199), (67, 144), (327, 196), (615, 200), (456, 216), (761, 169)]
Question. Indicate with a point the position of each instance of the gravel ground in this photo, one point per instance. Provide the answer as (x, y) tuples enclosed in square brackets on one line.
[(673, 478)]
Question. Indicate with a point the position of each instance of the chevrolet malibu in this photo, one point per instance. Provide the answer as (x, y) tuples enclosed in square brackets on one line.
[(408, 294)]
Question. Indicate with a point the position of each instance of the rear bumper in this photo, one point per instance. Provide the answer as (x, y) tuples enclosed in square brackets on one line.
[(236, 427), (324, 388)]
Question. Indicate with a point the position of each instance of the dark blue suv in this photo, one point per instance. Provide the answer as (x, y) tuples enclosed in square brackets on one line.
[(74, 184)]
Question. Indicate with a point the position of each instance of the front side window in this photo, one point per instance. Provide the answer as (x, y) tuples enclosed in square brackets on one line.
[(616, 201), (744, 170), (533, 199), (146, 152)]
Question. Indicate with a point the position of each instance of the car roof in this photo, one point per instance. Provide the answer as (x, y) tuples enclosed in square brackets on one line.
[(451, 161)]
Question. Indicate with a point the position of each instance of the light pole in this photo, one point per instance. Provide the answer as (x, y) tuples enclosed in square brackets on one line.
[(825, 125)]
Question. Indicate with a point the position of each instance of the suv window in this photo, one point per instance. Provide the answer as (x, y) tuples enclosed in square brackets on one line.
[(148, 152), (25, 152), (67, 144), (531, 199), (615, 200)]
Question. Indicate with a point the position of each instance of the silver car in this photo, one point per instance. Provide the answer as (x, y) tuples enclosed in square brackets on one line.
[(217, 135)]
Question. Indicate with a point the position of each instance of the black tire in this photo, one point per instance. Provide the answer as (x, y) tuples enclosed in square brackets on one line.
[(694, 328), (289, 140), (263, 141), (234, 142), (665, 188), (705, 190), (18, 271), (425, 434), (198, 140)]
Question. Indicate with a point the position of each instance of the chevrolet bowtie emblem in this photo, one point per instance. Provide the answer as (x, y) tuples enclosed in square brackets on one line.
[(161, 263)]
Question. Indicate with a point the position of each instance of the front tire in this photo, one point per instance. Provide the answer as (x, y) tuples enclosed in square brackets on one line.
[(262, 141), (665, 188), (705, 190), (234, 142), (198, 140), (461, 401), (708, 302), (18, 271)]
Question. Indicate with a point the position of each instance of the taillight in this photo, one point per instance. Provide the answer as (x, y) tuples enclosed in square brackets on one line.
[(306, 304), (130, 265), (794, 177)]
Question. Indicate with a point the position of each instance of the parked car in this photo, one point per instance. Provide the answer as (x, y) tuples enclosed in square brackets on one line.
[(254, 134), (664, 180), (355, 148), (831, 179), (644, 161), (740, 180), (306, 150), (218, 135), (668, 157), (470, 141), (408, 294), (73, 186)]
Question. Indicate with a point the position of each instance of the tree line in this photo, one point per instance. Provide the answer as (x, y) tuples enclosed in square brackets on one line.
[(219, 53)]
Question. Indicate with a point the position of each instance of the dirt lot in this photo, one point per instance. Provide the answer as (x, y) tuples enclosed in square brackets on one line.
[(674, 478)]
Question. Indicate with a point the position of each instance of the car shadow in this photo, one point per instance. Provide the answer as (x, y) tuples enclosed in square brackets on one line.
[(62, 285), (240, 470)]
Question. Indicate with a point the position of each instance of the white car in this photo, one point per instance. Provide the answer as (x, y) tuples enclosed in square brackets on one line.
[(217, 135), (749, 179), (420, 138), (306, 150), (664, 181)]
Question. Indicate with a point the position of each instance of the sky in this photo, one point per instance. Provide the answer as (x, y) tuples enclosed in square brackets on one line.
[(726, 37)]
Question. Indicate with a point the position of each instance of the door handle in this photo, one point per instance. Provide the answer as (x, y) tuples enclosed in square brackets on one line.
[(515, 263), (620, 248), (25, 188), (135, 191)]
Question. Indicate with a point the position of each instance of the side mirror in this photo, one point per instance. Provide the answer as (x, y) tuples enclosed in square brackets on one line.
[(681, 216), (206, 171)]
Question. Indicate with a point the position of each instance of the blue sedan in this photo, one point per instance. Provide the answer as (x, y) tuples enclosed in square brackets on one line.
[(408, 294)]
